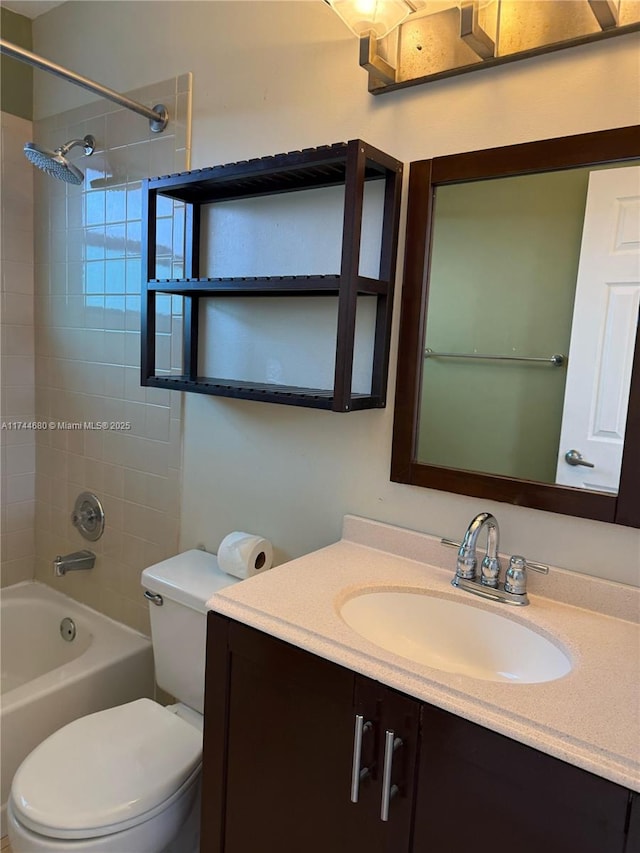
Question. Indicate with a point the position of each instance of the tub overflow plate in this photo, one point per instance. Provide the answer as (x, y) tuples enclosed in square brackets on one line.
[(68, 629)]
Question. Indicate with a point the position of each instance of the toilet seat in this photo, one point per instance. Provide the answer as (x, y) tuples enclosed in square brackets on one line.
[(106, 772)]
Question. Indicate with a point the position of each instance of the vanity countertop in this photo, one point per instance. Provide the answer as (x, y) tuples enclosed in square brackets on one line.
[(589, 718)]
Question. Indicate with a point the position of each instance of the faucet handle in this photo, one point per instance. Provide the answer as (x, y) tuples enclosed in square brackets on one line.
[(515, 580), (490, 571), (537, 567)]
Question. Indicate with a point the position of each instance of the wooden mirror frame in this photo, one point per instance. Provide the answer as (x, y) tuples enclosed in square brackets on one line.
[(588, 149)]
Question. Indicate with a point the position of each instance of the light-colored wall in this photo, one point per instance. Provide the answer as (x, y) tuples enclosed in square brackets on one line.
[(278, 76), (17, 358)]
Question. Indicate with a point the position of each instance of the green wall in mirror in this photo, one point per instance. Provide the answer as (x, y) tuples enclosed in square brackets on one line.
[(504, 262)]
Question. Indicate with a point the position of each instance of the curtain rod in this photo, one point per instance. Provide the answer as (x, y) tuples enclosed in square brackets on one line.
[(158, 116)]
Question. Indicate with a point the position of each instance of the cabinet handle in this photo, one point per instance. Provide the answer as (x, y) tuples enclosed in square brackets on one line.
[(358, 773), (391, 743)]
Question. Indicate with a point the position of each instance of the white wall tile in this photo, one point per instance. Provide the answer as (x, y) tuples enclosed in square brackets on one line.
[(17, 276), (18, 401), (87, 313), (20, 516), (17, 369), (20, 459), (19, 487)]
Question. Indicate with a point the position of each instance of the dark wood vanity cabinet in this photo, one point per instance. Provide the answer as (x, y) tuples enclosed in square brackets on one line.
[(633, 831), (280, 729), (476, 785), (277, 741), (278, 751)]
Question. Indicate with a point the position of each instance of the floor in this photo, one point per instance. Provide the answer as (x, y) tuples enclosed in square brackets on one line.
[(5, 847)]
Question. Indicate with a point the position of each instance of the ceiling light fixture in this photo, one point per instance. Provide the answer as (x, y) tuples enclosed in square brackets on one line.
[(407, 42)]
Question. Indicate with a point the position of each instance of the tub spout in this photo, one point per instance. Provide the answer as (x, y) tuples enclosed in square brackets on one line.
[(73, 562)]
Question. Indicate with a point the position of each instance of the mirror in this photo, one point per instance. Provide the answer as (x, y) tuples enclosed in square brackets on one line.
[(498, 342)]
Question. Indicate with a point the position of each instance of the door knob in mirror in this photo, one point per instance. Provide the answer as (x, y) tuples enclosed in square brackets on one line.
[(574, 457)]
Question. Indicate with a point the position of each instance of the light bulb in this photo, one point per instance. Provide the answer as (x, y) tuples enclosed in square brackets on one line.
[(376, 16)]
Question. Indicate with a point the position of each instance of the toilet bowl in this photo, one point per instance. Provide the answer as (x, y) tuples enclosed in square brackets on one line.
[(127, 780), (121, 780)]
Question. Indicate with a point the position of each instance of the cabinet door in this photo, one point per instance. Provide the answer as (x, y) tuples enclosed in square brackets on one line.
[(633, 836), (480, 790), (386, 798), (278, 748)]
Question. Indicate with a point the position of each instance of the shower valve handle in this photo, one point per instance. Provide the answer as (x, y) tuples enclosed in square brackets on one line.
[(88, 516)]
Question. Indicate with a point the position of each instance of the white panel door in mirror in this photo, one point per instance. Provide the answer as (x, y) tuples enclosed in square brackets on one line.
[(603, 333)]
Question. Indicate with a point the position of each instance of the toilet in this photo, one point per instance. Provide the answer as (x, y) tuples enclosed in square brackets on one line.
[(128, 778)]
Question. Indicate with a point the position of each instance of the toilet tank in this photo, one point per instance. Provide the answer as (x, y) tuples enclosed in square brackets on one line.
[(179, 624)]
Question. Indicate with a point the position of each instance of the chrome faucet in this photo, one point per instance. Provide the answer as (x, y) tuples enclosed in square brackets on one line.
[(73, 562), (488, 585), (467, 561)]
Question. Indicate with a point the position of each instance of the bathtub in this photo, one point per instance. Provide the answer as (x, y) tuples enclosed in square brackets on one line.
[(48, 681)]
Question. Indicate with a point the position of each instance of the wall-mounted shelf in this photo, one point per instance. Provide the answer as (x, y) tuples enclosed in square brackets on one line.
[(350, 164)]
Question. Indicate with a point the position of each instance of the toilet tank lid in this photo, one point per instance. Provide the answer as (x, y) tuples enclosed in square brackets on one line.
[(190, 578)]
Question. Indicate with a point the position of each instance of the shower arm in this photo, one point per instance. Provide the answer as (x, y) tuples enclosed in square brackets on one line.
[(158, 116), (88, 143)]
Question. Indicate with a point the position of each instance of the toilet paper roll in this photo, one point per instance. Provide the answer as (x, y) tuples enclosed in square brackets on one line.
[(244, 555)]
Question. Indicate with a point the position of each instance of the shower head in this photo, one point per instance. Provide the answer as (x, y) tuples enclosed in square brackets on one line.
[(55, 163)]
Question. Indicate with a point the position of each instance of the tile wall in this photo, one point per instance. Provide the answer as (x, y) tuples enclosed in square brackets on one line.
[(87, 353), (17, 359)]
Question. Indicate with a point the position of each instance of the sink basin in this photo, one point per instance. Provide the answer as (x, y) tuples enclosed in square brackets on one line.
[(455, 637)]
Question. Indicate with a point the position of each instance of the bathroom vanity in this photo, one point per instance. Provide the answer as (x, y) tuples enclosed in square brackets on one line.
[(317, 739)]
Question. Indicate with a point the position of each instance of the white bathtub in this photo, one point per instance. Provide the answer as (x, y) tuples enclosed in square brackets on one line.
[(48, 681)]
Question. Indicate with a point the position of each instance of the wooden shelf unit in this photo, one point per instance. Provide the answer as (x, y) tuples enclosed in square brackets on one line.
[(351, 164)]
